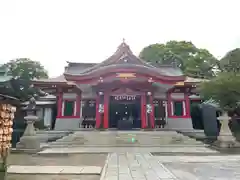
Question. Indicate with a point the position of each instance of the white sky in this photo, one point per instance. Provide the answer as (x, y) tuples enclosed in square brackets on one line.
[(56, 31)]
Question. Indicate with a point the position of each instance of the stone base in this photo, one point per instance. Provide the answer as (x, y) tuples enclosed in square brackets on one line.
[(237, 144), (26, 151), (224, 144), (30, 143)]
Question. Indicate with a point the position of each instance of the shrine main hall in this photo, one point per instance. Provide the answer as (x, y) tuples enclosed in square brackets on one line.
[(121, 92)]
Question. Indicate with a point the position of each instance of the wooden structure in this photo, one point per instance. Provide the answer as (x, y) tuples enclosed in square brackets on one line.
[(95, 95), (6, 121)]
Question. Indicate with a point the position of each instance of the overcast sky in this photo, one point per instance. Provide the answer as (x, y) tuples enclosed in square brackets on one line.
[(56, 31)]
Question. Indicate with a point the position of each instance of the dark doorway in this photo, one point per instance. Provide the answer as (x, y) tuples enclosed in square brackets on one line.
[(54, 116), (125, 111), (159, 113)]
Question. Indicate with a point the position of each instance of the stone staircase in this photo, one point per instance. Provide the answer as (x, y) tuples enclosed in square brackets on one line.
[(125, 139)]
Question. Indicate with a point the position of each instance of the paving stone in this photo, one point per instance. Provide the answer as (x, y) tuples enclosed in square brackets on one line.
[(205, 171), (198, 159), (72, 170), (134, 166), (91, 170), (54, 170)]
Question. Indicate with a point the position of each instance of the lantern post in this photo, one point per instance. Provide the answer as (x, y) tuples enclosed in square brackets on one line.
[(29, 142)]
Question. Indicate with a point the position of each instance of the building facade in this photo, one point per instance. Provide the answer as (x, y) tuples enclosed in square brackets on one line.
[(122, 92)]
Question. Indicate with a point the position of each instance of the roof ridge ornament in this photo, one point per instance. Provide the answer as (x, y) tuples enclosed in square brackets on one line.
[(123, 43)]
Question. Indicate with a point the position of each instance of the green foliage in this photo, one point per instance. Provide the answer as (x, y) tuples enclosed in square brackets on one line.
[(231, 61), (24, 70), (224, 89), (193, 61), (234, 126)]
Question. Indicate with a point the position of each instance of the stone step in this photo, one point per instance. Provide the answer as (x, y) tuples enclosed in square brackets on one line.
[(121, 139), (124, 145)]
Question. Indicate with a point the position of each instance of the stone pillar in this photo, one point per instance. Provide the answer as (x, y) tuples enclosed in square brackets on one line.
[(29, 140)]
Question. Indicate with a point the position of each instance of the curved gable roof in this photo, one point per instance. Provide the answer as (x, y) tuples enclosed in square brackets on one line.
[(123, 58), (123, 55)]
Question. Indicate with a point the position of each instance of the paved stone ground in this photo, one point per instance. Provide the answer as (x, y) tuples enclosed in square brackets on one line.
[(135, 166), (57, 159), (205, 171), (134, 163), (204, 167), (198, 159), (144, 166)]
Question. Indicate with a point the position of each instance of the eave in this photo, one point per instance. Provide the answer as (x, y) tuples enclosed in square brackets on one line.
[(141, 70), (52, 83), (8, 99)]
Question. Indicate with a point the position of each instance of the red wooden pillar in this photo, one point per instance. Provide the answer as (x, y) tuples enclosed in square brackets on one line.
[(169, 104), (106, 107), (98, 115), (143, 111), (152, 119), (60, 102), (187, 105), (78, 104)]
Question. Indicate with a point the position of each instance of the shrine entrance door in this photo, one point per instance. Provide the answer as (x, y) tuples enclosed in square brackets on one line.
[(125, 112)]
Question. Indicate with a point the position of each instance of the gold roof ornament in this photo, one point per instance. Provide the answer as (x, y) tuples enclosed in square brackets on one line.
[(181, 83), (126, 75)]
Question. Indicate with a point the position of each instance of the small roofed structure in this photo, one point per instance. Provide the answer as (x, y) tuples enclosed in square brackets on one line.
[(46, 110), (121, 91)]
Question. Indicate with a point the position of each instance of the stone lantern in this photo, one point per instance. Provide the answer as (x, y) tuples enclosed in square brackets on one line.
[(225, 138), (29, 140)]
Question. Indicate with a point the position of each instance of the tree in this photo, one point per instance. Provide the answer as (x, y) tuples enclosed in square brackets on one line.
[(26, 69), (23, 71), (231, 61), (223, 89), (193, 61)]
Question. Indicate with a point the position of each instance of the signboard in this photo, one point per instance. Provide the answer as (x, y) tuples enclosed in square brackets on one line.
[(50, 91), (125, 97), (180, 83)]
